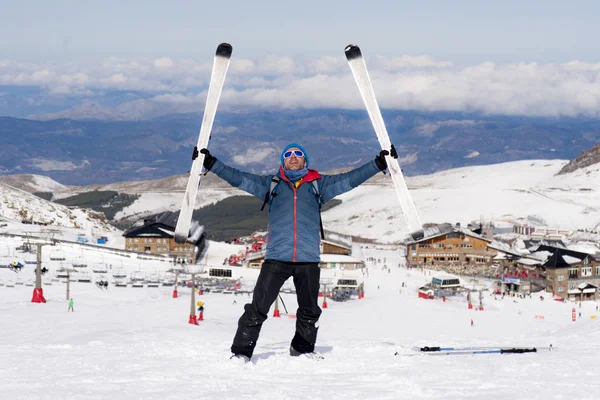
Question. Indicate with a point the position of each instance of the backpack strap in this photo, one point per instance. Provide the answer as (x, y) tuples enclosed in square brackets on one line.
[(271, 193), (315, 184)]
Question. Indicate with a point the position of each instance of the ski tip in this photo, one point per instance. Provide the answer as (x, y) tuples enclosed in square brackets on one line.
[(224, 50), (352, 52), (181, 239)]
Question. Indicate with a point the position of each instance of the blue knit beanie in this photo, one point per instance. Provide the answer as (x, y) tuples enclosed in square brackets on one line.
[(289, 146)]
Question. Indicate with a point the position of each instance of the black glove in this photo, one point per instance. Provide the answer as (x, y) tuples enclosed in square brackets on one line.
[(393, 152), (209, 160), (380, 160)]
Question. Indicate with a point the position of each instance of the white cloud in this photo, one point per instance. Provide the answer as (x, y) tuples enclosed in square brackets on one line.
[(254, 155), (63, 89), (117, 78), (164, 62), (52, 165), (402, 82)]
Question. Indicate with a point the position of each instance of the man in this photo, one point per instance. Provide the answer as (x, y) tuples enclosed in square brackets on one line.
[(71, 302), (293, 239)]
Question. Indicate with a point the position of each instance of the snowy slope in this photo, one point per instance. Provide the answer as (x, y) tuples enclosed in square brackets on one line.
[(501, 192), (129, 343)]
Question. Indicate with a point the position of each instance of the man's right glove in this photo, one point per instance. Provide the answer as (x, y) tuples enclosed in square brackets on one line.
[(209, 159), (380, 160)]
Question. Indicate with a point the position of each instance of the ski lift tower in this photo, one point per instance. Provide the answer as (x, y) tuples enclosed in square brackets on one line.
[(176, 269), (38, 292), (193, 270), (68, 270), (325, 282)]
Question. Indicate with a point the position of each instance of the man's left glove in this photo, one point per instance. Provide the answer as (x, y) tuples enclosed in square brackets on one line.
[(209, 159)]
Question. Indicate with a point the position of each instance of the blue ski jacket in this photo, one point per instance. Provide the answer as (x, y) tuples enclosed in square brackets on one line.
[(294, 229)]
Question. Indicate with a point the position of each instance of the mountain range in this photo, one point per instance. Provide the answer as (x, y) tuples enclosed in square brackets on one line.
[(102, 150)]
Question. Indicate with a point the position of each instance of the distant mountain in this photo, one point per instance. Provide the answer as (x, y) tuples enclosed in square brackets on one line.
[(76, 152), (585, 159)]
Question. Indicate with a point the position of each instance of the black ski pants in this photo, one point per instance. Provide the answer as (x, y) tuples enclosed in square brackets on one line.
[(272, 276)]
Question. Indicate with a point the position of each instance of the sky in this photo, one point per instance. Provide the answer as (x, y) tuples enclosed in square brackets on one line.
[(509, 57), (464, 30)]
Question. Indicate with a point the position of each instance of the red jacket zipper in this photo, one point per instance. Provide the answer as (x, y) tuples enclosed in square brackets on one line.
[(294, 254)]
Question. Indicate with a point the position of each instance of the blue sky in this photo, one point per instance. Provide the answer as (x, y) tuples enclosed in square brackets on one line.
[(501, 57), (462, 31)]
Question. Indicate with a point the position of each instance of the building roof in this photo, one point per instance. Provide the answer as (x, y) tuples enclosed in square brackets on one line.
[(563, 250), (337, 244), (338, 239), (163, 226), (556, 260), (434, 231), (339, 258)]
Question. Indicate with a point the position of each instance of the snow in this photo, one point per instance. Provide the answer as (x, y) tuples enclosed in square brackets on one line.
[(508, 192), (153, 203), (126, 343)]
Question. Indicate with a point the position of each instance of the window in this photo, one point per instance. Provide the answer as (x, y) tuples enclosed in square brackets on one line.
[(220, 273), (560, 278), (449, 246), (147, 249), (561, 288), (586, 271), (573, 272), (453, 235), (598, 270)]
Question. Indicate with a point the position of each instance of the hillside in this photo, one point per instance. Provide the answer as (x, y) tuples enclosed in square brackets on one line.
[(18, 205), (587, 158), (522, 191)]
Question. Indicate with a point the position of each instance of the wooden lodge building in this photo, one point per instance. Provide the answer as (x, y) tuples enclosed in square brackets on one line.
[(447, 245), (156, 236)]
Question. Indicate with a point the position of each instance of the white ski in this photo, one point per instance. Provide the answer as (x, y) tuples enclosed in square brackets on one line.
[(217, 79), (361, 76)]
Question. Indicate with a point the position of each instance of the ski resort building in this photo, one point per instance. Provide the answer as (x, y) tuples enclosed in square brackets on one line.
[(571, 274), (451, 246), (156, 236)]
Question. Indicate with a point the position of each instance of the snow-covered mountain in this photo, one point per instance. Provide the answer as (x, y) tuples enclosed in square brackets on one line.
[(17, 205), (525, 191), (34, 183)]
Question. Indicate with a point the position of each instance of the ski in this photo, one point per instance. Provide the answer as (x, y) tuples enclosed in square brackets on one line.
[(361, 76), (217, 79)]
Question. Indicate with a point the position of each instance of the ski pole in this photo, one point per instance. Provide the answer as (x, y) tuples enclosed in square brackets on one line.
[(284, 307)]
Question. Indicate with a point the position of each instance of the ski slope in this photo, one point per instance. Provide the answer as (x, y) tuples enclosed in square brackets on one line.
[(127, 343)]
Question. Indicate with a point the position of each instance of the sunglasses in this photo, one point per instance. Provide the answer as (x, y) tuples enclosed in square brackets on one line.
[(297, 153)]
